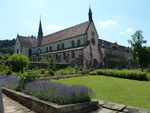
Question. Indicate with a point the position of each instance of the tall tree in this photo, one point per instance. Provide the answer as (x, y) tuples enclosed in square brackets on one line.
[(137, 47)]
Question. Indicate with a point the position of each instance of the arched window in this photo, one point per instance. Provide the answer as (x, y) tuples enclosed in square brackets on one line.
[(64, 56), (73, 54), (30, 52), (46, 49), (50, 48), (17, 51), (78, 42), (93, 41), (63, 46), (58, 47), (72, 43)]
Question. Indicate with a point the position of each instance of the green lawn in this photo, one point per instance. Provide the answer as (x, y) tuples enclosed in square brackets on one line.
[(118, 90)]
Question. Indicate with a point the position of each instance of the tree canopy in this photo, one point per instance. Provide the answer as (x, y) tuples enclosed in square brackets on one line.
[(140, 53)]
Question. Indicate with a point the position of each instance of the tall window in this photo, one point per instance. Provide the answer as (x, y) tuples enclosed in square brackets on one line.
[(73, 54), (50, 48), (78, 42), (64, 56), (17, 51), (63, 46), (72, 43), (30, 52), (58, 47), (46, 49)]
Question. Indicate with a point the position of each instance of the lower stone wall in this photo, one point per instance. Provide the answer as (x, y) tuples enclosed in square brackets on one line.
[(41, 106)]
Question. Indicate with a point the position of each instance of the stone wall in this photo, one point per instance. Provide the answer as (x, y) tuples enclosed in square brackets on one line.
[(41, 106)]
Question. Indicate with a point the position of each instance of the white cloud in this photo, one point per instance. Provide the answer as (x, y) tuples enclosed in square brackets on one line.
[(54, 27), (106, 23), (34, 25), (120, 32), (129, 30)]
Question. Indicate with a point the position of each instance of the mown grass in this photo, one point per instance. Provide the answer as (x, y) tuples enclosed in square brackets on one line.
[(118, 90)]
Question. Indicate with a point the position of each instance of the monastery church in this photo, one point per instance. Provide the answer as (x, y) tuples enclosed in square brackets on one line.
[(78, 45)]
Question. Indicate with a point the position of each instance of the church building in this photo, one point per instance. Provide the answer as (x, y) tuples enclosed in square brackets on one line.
[(78, 45)]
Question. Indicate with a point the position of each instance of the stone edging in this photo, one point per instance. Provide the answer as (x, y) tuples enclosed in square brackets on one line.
[(41, 106), (109, 107)]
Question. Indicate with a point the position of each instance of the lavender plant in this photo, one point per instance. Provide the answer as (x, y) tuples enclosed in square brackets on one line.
[(59, 93), (10, 82)]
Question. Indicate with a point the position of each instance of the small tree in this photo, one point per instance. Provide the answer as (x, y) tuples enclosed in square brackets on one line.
[(19, 62), (137, 47), (51, 66)]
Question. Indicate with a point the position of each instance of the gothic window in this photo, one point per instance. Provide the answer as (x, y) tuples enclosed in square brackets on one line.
[(46, 49), (63, 46), (73, 54), (30, 52), (64, 56), (50, 48), (72, 44), (78, 42), (93, 41), (92, 33), (58, 47), (91, 55), (17, 51)]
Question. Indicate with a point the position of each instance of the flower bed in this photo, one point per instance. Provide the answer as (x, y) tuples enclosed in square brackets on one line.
[(52, 92)]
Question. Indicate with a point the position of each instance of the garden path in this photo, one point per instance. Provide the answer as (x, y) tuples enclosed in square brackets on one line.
[(11, 106)]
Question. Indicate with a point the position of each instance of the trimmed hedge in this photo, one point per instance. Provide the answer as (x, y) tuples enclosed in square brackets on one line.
[(41, 65), (129, 74)]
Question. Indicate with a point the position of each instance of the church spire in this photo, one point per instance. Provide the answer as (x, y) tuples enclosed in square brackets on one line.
[(40, 32), (90, 15)]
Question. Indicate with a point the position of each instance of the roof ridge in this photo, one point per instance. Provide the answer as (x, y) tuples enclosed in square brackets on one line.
[(66, 29)]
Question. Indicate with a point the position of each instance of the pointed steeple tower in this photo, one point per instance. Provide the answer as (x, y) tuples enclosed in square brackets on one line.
[(40, 34), (90, 15)]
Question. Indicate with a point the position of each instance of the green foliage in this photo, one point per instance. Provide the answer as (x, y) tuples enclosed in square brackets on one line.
[(27, 77), (51, 72), (130, 74), (61, 65), (19, 62), (93, 73), (7, 46), (137, 48), (51, 65)]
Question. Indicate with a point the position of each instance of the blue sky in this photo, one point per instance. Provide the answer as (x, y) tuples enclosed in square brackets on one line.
[(115, 20)]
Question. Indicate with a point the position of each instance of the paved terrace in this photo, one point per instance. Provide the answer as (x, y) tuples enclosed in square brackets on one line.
[(11, 106)]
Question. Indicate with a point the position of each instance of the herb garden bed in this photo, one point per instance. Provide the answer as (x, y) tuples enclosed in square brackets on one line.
[(41, 106)]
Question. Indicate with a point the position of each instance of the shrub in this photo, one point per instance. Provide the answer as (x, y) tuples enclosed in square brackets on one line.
[(26, 77), (51, 65), (10, 82), (51, 72), (93, 73), (61, 65), (59, 93), (19, 62), (130, 74)]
